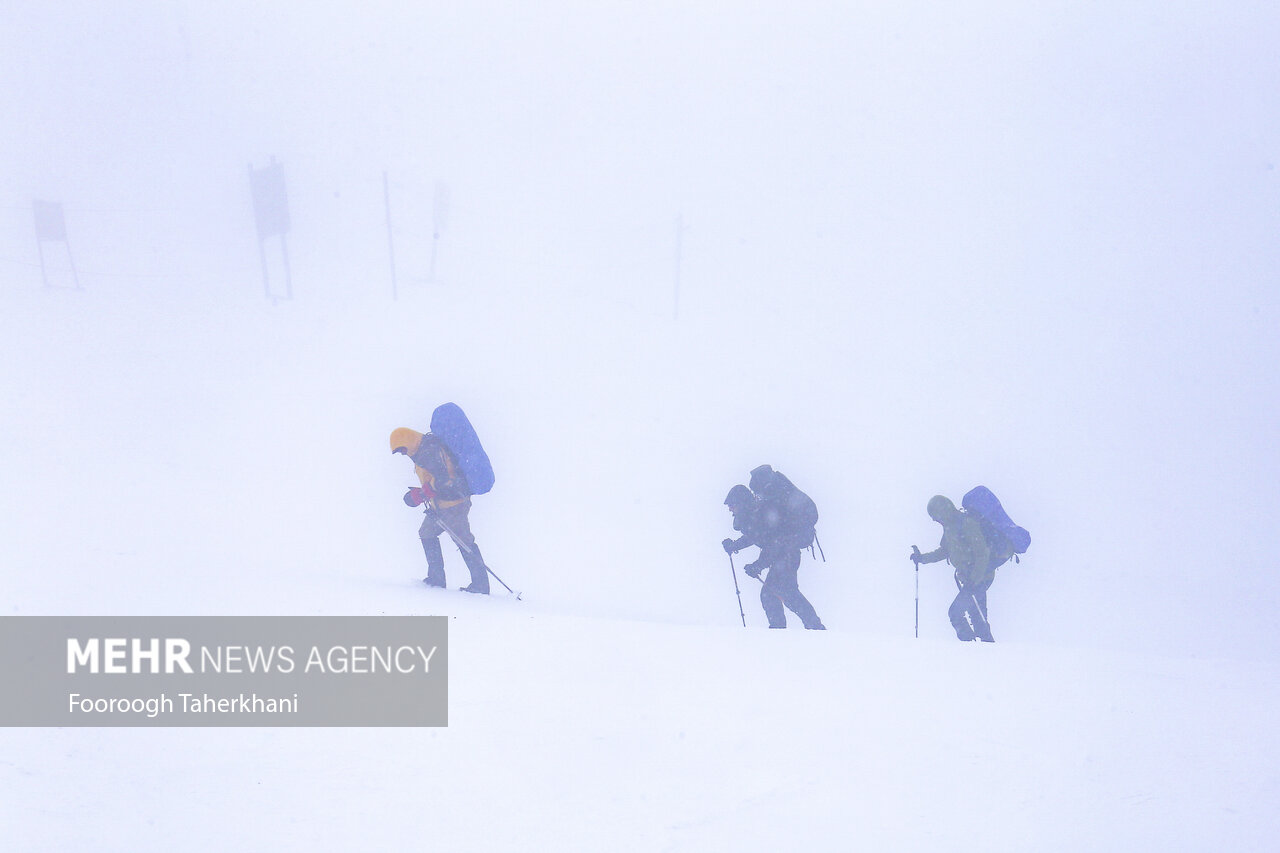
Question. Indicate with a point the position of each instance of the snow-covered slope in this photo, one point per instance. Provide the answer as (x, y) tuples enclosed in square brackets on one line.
[(574, 733), (180, 456)]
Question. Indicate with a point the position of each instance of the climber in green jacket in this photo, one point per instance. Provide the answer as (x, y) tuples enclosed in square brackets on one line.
[(964, 546)]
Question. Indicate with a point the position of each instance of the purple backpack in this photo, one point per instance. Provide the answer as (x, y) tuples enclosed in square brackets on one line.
[(1004, 538)]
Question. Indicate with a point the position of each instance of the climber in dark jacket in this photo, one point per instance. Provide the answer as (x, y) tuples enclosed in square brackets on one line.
[(762, 523)]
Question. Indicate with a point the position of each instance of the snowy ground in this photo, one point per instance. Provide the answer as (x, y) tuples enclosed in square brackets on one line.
[(597, 734), (583, 734), (168, 459)]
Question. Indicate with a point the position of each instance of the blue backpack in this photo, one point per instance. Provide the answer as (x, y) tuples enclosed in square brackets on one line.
[(450, 425), (1004, 538)]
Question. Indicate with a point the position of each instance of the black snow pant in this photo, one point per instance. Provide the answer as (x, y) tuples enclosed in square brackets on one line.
[(782, 587), (455, 517), (969, 614)]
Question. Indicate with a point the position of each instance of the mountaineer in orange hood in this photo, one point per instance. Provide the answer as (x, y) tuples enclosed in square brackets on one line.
[(448, 502)]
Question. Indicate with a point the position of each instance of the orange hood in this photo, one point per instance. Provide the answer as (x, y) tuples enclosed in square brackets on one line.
[(404, 437)]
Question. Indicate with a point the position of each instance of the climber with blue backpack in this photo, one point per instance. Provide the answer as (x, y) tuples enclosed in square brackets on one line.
[(976, 540), (451, 467)]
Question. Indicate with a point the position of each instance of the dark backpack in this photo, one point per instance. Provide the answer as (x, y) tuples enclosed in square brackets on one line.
[(799, 512), (450, 425), (800, 507), (1004, 538)]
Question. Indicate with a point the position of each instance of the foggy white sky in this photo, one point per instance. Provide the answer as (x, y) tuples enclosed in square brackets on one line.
[(956, 121)]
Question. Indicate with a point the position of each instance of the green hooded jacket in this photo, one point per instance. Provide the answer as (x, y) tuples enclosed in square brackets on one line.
[(963, 544)]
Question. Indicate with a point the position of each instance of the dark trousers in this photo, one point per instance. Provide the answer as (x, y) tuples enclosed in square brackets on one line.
[(969, 614), (455, 517), (782, 588)]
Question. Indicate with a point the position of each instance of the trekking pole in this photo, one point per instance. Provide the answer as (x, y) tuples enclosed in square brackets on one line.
[(981, 613), (467, 550), (915, 558), (499, 580), (819, 544), (464, 548), (733, 571)]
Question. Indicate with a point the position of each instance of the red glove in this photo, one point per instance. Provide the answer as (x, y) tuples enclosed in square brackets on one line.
[(413, 497)]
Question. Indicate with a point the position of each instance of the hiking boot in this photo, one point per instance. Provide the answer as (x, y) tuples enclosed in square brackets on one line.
[(430, 582), (474, 589)]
